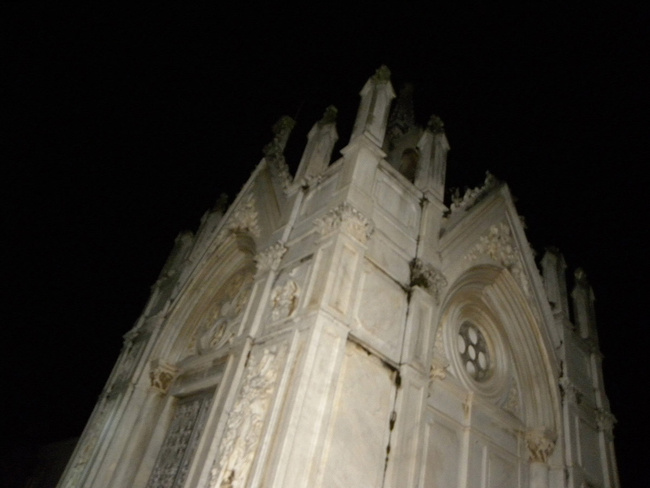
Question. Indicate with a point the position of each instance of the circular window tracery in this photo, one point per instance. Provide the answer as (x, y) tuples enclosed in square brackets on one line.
[(474, 352)]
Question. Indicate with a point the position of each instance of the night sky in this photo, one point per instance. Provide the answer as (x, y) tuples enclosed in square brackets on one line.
[(121, 127)]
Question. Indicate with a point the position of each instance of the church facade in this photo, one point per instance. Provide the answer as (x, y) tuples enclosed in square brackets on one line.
[(343, 327)]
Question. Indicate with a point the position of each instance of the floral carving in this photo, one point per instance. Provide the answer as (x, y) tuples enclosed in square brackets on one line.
[(348, 218), (162, 375), (270, 258), (541, 443), (426, 276), (499, 245), (284, 300), (246, 420)]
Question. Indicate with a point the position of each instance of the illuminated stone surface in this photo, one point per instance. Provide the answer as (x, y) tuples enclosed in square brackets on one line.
[(344, 328)]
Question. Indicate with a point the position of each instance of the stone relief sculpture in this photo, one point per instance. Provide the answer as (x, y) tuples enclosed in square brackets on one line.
[(347, 217), (499, 245), (162, 375), (284, 300), (217, 325), (426, 276), (246, 420), (270, 258), (541, 443)]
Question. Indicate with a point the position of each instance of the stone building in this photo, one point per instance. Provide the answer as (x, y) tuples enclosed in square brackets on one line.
[(343, 327)]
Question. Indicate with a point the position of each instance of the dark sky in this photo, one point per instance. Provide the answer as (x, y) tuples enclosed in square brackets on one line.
[(121, 127)]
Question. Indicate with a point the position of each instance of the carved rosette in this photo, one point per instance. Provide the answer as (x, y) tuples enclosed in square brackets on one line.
[(347, 218), (499, 245), (270, 258), (541, 443), (284, 300), (162, 375), (426, 276), (245, 423)]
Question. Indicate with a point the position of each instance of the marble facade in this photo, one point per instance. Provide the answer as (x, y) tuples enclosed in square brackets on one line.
[(345, 328)]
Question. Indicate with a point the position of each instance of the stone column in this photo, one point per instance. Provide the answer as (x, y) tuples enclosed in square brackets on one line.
[(540, 443)]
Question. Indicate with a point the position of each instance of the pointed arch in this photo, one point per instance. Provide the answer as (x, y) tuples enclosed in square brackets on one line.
[(492, 294)]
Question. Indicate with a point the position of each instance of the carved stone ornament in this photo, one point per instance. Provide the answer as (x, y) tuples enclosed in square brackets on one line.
[(273, 152), (162, 375), (348, 218), (243, 219), (605, 420), (541, 443), (270, 258), (217, 326), (426, 276), (440, 363), (473, 195), (246, 420), (512, 400), (499, 245), (180, 444), (284, 300)]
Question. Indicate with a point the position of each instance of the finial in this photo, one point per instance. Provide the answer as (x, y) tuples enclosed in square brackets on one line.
[(329, 117), (581, 277), (382, 75), (281, 129), (436, 125), (222, 203)]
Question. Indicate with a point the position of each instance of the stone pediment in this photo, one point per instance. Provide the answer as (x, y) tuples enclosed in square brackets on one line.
[(491, 232)]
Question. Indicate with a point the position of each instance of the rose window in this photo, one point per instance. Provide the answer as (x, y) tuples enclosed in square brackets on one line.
[(474, 353)]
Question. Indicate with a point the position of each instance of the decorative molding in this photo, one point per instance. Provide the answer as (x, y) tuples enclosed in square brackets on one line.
[(181, 441), (499, 244), (472, 196), (427, 276), (270, 258), (246, 420), (88, 443), (284, 300), (348, 218), (541, 443), (162, 375)]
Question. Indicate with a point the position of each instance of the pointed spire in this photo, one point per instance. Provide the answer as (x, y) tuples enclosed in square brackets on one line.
[(281, 130), (433, 147), (553, 273), (372, 116), (583, 305), (401, 118), (320, 143)]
